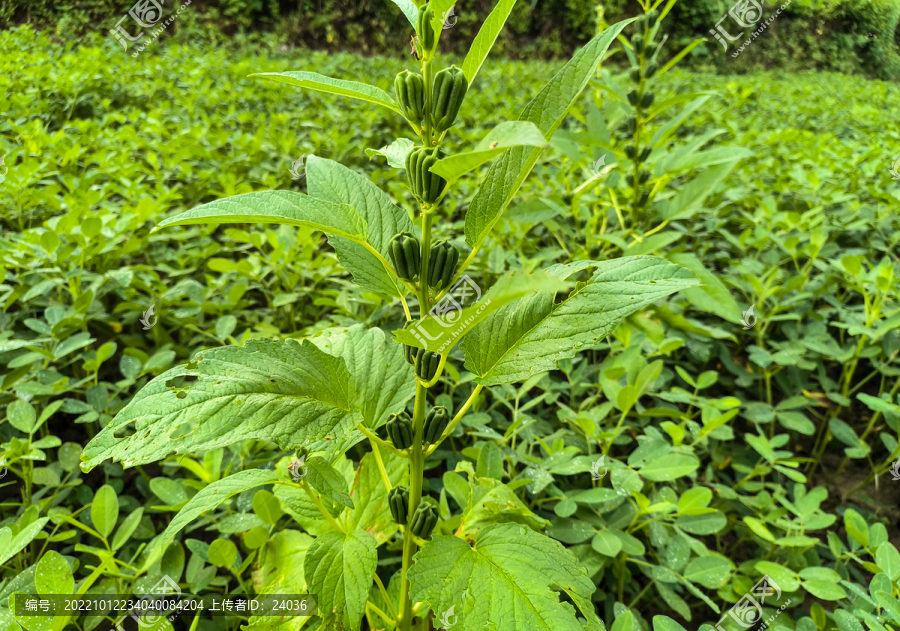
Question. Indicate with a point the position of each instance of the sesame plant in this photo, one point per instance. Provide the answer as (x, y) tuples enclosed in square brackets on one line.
[(320, 397)]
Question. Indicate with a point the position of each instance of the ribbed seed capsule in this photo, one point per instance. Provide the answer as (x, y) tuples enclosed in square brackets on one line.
[(638, 43), (633, 97), (425, 185), (629, 151), (425, 518), (424, 29), (410, 89), (645, 153), (400, 430), (645, 196), (405, 252), (652, 67), (435, 424), (427, 364), (398, 501), (647, 100), (450, 85), (643, 176), (442, 264), (635, 75)]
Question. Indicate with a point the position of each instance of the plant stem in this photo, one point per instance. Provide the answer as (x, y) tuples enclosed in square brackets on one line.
[(384, 474), (456, 419), (417, 454), (373, 438), (321, 507)]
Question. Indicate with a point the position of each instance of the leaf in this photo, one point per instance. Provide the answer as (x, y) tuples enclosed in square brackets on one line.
[(546, 110), (706, 524), (670, 466), (888, 560), (711, 571), (710, 157), (441, 334), (499, 139), (222, 553), (395, 153), (372, 512), (381, 380), (532, 334), (485, 39), (21, 415), (339, 568), (688, 200), (489, 501), (281, 207), (105, 510), (211, 497), (696, 497), (711, 296), (509, 574), (490, 462), (11, 546), (856, 527), (824, 589), (321, 83), (129, 525), (327, 481), (786, 579), (288, 392), (606, 543), (664, 623), (409, 10), (73, 343), (335, 183)]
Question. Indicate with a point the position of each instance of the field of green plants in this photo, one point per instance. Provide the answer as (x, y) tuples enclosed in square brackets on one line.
[(671, 403)]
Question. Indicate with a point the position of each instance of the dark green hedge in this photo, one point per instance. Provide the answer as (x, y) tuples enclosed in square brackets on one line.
[(842, 35)]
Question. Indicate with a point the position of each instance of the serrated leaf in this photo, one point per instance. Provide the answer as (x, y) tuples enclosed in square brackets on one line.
[(321, 83), (335, 183), (509, 576), (532, 334), (440, 334), (372, 512), (288, 392), (339, 568), (381, 380), (547, 110), (395, 153), (327, 481)]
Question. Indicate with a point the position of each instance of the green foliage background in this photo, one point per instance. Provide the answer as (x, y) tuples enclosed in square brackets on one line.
[(855, 36), (785, 423)]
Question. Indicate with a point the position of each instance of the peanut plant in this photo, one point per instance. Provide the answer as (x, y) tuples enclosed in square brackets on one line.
[(320, 397)]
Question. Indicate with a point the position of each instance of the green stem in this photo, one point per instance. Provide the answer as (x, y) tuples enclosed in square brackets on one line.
[(416, 474), (321, 507), (373, 438), (456, 419)]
